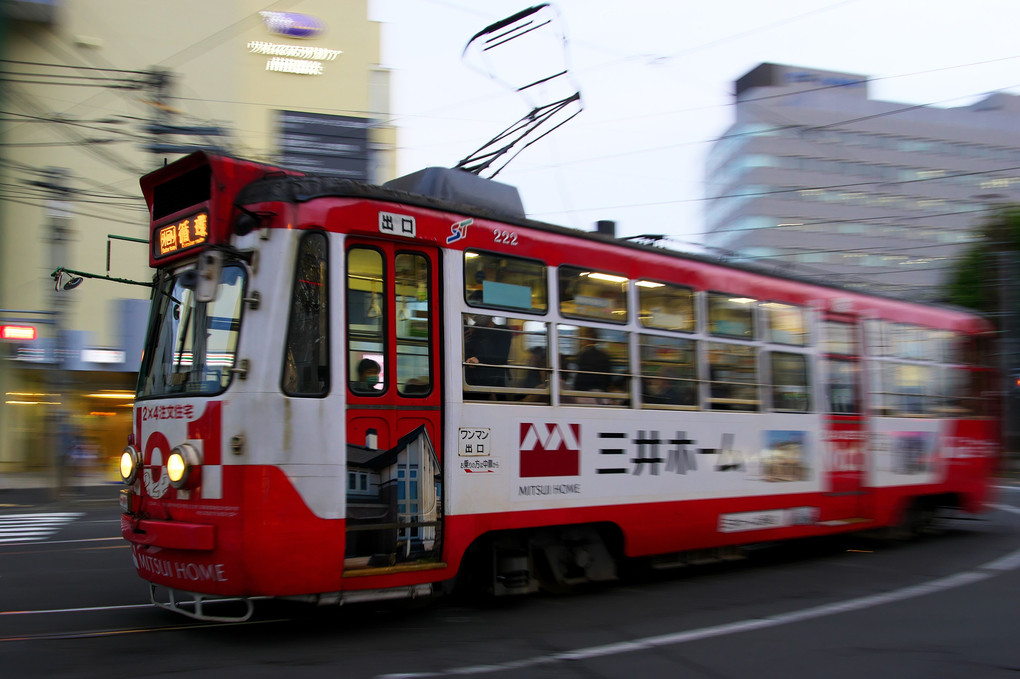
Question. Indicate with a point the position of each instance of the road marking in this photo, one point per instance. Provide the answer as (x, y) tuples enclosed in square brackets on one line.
[(79, 610), (983, 572), (21, 528), (1006, 508)]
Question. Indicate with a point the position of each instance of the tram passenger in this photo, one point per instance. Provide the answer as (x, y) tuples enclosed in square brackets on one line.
[(486, 347), (667, 388), (536, 379), (368, 377), (594, 369)]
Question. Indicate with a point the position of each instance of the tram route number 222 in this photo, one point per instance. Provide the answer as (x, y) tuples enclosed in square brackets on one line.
[(504, 237)]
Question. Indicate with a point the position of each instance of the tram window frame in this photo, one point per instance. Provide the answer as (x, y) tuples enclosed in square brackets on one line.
[(876, 337), (902, 397), (172, 337), (481, 292), (726, 393), (363, 343), (945, 341), (853, 385), (680, 307), (911, 342), (786, 390), (295, 380), (829, 343), (680, 378), (611, 287), (774, 313), (898, 340), (956, 395), (930, 344), (577, 363), (409, 339), (520, 335), (721, 303)]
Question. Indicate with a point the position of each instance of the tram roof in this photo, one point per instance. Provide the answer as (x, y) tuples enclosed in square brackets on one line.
[(463, 193)]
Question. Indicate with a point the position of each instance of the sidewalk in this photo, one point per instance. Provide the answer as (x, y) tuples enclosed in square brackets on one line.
[(41, 488), (48, 479)]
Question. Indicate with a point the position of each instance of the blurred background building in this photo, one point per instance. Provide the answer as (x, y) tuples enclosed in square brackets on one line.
[(816, 176), (97, 93)]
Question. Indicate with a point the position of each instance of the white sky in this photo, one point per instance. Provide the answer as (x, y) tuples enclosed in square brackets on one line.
[(656, 78)]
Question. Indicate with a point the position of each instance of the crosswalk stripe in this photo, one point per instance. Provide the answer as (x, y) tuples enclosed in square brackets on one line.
[(33, 527)]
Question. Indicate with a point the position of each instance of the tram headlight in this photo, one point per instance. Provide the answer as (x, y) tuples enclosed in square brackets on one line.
[(130, 464), (181, 466)]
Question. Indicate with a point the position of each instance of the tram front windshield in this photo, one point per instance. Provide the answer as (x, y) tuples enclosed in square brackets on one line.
[(192, 345)]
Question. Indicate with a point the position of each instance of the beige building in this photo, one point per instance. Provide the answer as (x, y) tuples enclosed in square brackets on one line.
[(97, 93)]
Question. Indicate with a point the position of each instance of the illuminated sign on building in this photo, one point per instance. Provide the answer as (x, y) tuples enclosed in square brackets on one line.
[(180, 235), (18, 332), (297, 59), (102, 356), (292, 24), (276, 49)]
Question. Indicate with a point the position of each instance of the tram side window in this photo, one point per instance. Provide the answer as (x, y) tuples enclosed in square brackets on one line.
[(501, 282), (669, 371), (876, 336), (529, 352), (907, 389), (413, 302), (974, 350), (944, 341), (838, 338), (909, 341), (790, 382), (366, 309), (592, 295), (786, 323), (841, 385), (733, 373), (977, 387), (664, 306), (505, 359), (730, 315), (306, 360), (594, 366), (959, 397)]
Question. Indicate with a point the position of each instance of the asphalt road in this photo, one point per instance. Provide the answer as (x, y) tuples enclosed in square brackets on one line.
[(945, 605)]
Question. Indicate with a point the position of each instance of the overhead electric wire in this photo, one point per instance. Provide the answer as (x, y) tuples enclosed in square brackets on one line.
[(72, 67), (111, 159), (87, 125), (78, 213), (587, 160)]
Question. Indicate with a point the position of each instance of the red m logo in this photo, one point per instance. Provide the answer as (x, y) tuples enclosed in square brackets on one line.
[(550, 449)]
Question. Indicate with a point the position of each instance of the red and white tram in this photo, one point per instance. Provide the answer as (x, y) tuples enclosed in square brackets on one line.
[(352, 392)]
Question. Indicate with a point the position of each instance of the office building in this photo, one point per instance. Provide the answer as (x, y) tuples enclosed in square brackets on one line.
[(97, 93), (819, 178)]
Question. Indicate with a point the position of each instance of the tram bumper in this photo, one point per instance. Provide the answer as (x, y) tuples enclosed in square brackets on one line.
[(168, 534)]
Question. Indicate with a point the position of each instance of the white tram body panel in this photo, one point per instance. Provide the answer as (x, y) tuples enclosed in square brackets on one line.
[(638, 458)]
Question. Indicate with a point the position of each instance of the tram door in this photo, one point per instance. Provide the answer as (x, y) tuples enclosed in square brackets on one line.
[(846, 445), (394, 479)]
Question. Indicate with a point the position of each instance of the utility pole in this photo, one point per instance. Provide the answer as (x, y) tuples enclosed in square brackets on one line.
[(161, 125), (58, 211), (1009, 363), (160, 85)]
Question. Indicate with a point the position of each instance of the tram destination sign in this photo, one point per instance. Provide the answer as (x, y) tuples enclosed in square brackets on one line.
[(182, 234)]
